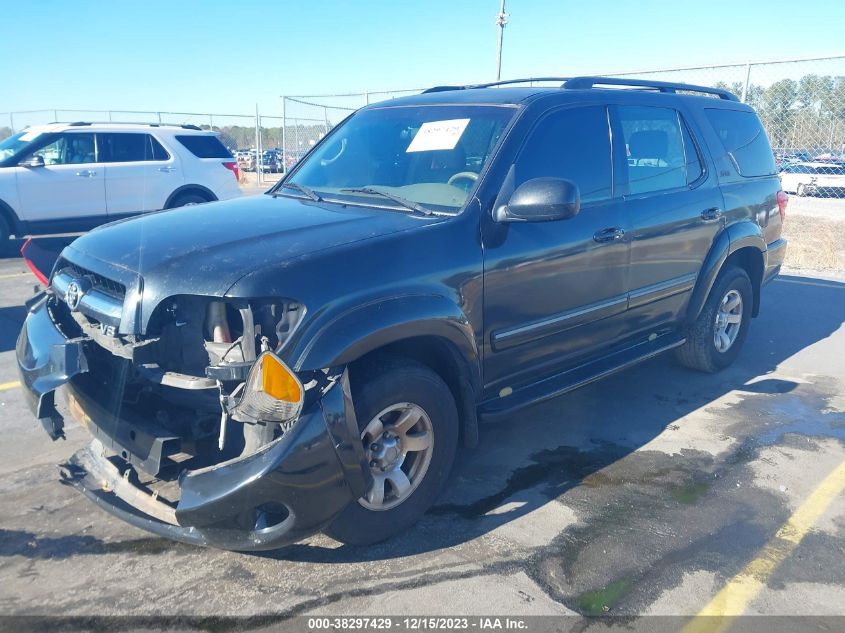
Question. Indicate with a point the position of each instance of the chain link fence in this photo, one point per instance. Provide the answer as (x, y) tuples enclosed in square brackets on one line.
[(801, 103)]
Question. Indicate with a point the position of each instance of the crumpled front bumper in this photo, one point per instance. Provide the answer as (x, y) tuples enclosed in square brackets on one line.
[(303, 479)]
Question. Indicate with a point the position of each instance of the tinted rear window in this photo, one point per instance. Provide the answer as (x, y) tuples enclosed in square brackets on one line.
[(744, 140), (204, 146)]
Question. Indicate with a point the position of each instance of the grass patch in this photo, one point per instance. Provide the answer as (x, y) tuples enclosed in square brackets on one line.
[(600, 601), (690, 493), (815, 243)]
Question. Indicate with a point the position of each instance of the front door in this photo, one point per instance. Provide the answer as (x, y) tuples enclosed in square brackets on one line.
[(554, 291), (68, 192)]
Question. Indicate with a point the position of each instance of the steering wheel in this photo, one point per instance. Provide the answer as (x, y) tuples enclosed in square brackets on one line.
[(463, 175)]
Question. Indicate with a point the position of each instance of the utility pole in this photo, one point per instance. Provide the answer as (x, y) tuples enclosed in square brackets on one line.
[(501, 20)]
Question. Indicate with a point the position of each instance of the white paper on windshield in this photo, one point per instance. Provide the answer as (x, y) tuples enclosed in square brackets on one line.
[(438, 135)]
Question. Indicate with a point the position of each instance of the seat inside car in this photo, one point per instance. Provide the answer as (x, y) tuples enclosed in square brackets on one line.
[(649, 167)]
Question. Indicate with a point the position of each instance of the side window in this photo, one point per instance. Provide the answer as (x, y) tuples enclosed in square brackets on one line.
[(654, 145), (744, 140), (156, 151), (572, 144), (204, 145), (69, 149), (693, 158), (120, 147)]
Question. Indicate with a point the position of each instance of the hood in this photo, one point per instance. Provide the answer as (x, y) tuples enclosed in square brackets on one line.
[(204, 249)]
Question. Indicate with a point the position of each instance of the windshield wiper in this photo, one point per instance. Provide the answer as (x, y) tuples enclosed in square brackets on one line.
[(409, 204), (308, 191)]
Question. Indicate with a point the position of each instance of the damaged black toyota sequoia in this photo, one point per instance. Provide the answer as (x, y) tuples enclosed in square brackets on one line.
[(254, 371)]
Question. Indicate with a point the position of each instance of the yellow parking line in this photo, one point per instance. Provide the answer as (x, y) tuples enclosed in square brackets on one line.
[(9, 385), (23, 274), (733, 599)]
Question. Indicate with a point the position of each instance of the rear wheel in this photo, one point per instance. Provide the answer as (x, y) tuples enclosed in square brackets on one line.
[(186, 200), (5, 231), (714, 340), (409, 431)]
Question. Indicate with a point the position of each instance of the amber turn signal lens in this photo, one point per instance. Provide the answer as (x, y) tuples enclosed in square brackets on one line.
[(277, 381)]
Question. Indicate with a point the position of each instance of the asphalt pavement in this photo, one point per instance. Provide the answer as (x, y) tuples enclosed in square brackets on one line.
[(657, 491)]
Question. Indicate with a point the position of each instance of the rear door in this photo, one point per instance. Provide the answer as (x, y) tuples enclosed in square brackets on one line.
[(673, 210), (140, 173), (68, 192), (554, 291)]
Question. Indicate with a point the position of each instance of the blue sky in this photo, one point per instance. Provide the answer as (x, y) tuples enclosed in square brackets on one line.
[(227, 56)]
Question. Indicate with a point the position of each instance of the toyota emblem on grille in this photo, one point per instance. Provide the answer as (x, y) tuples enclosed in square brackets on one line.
[(73, 295)]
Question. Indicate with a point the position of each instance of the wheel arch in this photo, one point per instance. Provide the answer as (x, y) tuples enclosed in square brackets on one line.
[(429, 329), (740, 244), (199, 190), (8, 214)]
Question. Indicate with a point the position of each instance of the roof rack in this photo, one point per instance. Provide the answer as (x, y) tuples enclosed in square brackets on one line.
[(583, 83), (184, 126), (491, 84)]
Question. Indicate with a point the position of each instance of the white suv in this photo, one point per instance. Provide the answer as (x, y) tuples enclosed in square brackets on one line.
[(69, 177)]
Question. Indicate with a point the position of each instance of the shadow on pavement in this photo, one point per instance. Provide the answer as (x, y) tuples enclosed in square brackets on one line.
[(541, 453), (526, 463), (12, 248), (11, 320)]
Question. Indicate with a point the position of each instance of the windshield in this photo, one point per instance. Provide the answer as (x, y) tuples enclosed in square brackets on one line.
[(15, 143), (428, 156)]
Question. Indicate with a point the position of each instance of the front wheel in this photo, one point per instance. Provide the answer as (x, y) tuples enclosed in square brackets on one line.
[(409, 430), (714, 340)]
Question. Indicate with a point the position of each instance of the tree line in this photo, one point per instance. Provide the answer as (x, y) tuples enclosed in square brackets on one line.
[(807, 114)]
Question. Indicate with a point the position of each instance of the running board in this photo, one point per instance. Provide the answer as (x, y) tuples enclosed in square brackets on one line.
[(566, 381)]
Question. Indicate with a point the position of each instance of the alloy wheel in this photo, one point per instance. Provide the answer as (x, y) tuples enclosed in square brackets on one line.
[(728, 321), (398, 443)]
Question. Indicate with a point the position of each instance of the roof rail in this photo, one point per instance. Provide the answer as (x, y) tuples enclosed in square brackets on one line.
[(491, 84), (184, 126), (580, 83)]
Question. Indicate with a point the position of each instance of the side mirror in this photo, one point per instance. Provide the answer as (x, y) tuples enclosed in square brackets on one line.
[(541, 200), (33, 161)]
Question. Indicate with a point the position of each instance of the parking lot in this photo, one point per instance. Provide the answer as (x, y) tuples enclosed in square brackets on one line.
[(648, 493)]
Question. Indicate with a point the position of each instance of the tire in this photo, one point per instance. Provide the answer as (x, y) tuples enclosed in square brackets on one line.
[(186, 199), (395, 382), (5, 231), (700, 350)]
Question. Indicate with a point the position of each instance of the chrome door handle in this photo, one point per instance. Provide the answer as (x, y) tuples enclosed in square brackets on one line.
[(167, 170), (711, 215), (608, 235), (86, 173)]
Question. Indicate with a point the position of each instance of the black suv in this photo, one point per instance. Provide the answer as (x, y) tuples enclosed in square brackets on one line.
[(257, 370)]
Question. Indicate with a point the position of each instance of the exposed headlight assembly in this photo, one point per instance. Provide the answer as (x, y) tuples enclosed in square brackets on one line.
[(271, 393)]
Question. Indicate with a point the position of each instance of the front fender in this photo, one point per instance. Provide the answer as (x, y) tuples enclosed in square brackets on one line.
[(375, 324), (728, 241)]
